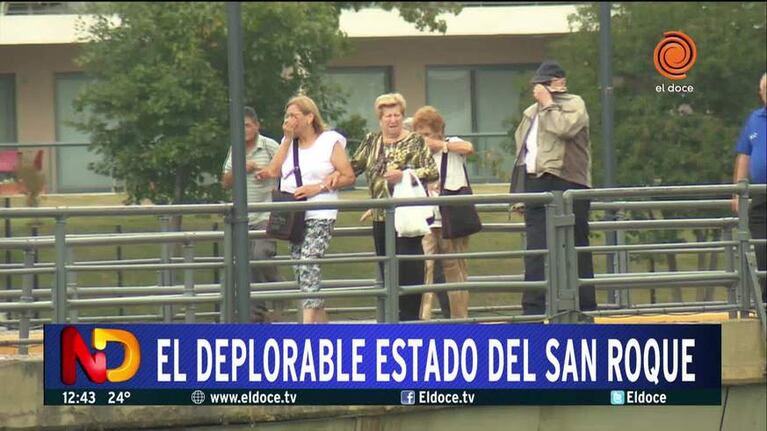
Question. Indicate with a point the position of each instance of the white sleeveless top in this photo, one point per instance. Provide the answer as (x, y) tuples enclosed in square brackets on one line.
[(315, 165)]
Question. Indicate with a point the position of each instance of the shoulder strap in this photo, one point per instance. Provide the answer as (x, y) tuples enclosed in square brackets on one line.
[(296, 167)]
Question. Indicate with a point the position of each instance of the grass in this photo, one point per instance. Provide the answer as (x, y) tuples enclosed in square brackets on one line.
[(478, 242)]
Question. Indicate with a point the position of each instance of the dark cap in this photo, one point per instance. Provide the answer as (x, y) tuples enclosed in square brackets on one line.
[(547, 71)]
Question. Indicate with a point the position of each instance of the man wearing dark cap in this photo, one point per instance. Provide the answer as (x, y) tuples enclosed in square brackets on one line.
[(259, 151), (553, 154)]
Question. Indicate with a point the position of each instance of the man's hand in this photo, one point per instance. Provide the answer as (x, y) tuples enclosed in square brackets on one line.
[(735, 204), (250, 166), (393, 176), (542, 95), (305, 192)]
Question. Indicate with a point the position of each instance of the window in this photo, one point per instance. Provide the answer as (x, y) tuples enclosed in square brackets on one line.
[(480, 99), (73, 174), (7, 109), (361, 86)]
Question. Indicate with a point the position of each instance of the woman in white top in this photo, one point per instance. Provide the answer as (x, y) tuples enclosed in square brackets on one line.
[(428, 122), (324, 167)]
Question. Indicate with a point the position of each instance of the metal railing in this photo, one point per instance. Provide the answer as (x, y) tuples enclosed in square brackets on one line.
[(65, 298)]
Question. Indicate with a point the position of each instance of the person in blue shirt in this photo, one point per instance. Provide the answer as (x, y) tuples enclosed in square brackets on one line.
[(751, 163)]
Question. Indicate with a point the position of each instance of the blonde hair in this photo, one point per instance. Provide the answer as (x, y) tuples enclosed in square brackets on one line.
[(307, 106), (429, 116), (388, 100)]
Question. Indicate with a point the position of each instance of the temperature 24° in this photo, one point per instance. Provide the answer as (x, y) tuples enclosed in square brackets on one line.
[(118, 397)]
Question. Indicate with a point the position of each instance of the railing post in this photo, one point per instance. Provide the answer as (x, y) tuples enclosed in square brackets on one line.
[(72, 285), (26, 296), (164, 275), (563, 224), (570, 300), (189, 282), (35, 278), (623, 296), (216, 271), (553, 259), (729, 266), (8, 234), (380, 300), (391, 276), (743, 238), (119, 229), (227, 281), (59, 293)]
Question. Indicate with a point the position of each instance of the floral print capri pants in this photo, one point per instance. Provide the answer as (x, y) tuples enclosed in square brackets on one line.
[(316, 240)]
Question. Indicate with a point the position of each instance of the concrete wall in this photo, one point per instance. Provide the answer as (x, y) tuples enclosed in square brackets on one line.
[(409, 57)]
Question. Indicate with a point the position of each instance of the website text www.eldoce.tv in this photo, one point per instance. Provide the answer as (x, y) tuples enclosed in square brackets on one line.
[(254, 397)]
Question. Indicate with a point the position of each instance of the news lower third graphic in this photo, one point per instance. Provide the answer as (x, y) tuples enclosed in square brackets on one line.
[(462, 365)]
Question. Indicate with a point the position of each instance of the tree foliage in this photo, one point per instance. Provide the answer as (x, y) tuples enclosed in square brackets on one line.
[(158, 104), (667, 138)]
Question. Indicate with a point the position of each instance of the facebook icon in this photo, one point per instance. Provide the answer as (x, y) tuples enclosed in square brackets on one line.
[(407, 398)]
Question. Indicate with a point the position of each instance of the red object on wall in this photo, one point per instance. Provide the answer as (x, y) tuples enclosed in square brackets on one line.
[(9, 160)]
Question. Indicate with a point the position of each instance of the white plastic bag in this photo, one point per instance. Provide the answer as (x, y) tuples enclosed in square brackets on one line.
[(410, 221)]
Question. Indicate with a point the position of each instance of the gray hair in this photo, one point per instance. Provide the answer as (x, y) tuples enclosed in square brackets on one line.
[(250, 113), (408, 124)]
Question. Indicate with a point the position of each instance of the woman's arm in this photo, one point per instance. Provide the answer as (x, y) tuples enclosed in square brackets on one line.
[(359, 162), (424, 165), (273, 170), (343, 167), (459, 146)]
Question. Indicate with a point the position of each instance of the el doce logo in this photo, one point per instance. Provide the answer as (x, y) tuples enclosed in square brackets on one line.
[(74, 349), (675, 55)]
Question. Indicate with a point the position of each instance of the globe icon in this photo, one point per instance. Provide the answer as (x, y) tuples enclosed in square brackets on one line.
[(198, 397)]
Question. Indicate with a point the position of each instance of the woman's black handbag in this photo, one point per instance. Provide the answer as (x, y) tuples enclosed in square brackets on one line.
[(457, 220), (287, 225)]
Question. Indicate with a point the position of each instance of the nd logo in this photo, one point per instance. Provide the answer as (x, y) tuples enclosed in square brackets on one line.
[(74, 349)]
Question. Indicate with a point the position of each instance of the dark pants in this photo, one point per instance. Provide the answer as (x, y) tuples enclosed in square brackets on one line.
[(756, 223), (534, 302), (262, 249), (410, 273)]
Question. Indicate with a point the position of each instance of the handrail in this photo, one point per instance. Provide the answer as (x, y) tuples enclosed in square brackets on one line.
[(738, 275)]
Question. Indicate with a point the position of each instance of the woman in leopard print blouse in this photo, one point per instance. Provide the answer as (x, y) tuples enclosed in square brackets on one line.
[(382, 156)]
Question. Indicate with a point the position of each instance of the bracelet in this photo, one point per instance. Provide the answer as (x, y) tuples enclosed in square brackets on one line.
[(444, 147)]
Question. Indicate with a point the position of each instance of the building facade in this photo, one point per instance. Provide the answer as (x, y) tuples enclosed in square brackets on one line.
[(472, 74)]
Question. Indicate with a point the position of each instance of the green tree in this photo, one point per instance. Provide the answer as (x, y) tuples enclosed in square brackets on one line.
[(158, 106), (669, 138)]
